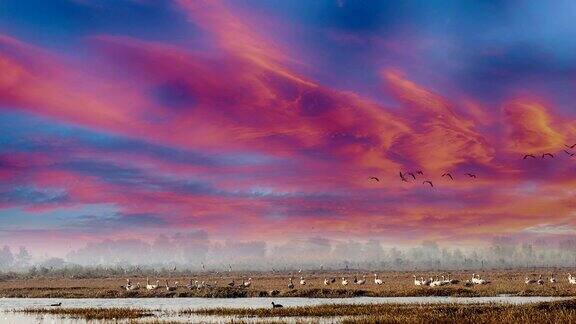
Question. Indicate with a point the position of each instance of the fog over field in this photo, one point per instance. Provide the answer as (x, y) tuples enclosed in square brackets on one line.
[(195, 251)]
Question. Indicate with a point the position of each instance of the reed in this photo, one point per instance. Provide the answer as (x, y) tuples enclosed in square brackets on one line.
[(93, 313), (550, 312)]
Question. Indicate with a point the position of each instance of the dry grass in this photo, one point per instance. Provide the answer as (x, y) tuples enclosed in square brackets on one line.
[(549, 312), (397, 284), (554, 312), (92, 313)]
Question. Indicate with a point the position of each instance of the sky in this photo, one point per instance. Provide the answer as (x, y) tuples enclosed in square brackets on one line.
[(265, 120)]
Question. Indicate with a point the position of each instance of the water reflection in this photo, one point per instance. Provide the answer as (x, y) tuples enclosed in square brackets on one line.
[(166, 307)]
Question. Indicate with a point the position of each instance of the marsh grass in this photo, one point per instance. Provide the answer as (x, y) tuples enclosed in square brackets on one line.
[(267, 284), (404, 290), (552, 312), (92, 313)]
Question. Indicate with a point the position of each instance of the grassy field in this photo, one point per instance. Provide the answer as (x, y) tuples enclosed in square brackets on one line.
[(275, 284), (551, 312)]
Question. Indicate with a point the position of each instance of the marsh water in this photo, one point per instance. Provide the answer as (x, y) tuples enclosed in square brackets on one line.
[(166, 308)]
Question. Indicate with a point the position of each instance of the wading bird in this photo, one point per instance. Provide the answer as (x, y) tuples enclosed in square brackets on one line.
[(452, 281), (290, 284), (150, 286), (418, 282), (552, 279), (171, 288), (480, 281)]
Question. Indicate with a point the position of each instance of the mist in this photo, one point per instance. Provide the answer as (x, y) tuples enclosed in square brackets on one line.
[(195, 251)]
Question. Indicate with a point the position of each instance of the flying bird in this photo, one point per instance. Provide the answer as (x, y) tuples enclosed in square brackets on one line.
[(528, 155), (402, 177), (471, 175), (448, 175), (547, 154), (570, 154), (429, 182), (374, 178), (570, 146), (412, 174), (420, 172)]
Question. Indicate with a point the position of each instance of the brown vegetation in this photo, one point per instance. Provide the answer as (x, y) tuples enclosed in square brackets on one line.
[(553, 312), (396, 284), (92, 313)]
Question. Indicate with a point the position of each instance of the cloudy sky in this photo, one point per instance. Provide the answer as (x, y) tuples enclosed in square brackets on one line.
[(265, 119)]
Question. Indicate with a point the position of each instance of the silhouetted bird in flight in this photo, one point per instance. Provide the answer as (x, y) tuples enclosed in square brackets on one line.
[(547, 154), (471, 175), (420, 172), (412, 174), (374, 178), (570, 154), (570, 146), (428, 182), (528, 155), (402, 177), (448, 175)]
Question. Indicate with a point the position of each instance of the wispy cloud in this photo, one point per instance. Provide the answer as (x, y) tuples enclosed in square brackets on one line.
[(251, 119)]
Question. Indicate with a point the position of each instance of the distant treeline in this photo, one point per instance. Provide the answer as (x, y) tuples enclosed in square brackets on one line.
[(194, 253)]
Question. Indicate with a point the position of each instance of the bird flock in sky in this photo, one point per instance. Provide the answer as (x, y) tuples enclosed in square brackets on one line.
[(408, 176), (419, 175)]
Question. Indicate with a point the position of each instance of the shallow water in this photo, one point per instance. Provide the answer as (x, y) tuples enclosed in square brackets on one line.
[(165, 305)]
